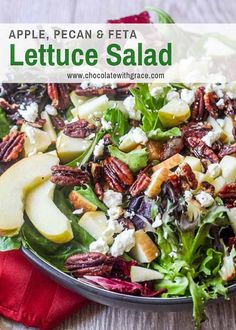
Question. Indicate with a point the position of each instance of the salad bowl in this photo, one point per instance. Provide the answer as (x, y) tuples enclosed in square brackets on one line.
[(97, 294)]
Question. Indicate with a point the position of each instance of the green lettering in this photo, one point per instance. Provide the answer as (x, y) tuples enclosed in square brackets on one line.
[(112, 50), (12, 57)]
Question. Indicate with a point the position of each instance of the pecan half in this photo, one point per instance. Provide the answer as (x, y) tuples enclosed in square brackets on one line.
[(94, 91), (230, 106), (210, 104), (196, 130), (199, 112), (228, 194), (79, 129), (97, 174), (201, 150), (63, 175), (59, 94), (140, 184), (187, 177), (175, 181), (227, 150), (117, 174), (172, 147), (11, 146), (90, 263), (9, 108), (58, 122)]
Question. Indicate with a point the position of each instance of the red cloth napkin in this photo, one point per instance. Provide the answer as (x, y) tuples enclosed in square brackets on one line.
[(28, 296)]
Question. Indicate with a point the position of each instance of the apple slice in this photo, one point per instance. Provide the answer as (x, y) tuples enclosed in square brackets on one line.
[(128, 144), (228, 129), (158, 177), (80, 202), (228, 166), (93, 108), (174, 112), (95, 223), (218, 183), (45, 216), (194, 163), (36, 140), (69, 148), (48, 127), (145, 250), (16, 182), (201, 177), (169, 163), (141, 274), (76, 99)]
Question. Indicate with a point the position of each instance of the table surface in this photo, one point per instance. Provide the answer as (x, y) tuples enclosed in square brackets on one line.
[(221, 315)]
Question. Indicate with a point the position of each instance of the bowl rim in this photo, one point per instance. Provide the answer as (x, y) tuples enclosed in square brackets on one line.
[(84, 284)]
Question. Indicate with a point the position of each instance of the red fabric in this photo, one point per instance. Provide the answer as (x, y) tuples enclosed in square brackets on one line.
[(142, 18), (28, 296)]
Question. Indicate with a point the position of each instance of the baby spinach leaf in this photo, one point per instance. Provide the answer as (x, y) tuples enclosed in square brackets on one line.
[(158, 134), (119, 121), (87, 192)]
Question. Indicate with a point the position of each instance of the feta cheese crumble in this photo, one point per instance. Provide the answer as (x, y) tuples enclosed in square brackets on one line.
[(106, 124), (31, 112), (188, 195), (51, 110), (211, 137), (137, 135), (187, 96), (99, 149), (129, 104), (112, 198), (214, 170), (220, 103), (172, 95), (78, 211), (115, 212), (123, 243), (113, 227), (99, 246), (204, 199)]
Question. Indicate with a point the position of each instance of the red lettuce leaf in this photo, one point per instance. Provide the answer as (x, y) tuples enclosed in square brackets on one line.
[(141, 18), (120, 286)]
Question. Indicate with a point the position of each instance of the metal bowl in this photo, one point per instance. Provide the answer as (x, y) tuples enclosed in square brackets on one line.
[(98, 294)]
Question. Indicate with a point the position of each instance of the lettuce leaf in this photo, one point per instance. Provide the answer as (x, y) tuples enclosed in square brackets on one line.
[(176, 287), (212, 262), (10, 243), (162, 16), (4, 124), (119, 121), (158, 134), (135, 159), (87, 192)]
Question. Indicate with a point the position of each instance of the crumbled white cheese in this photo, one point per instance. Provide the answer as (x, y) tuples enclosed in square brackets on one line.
[(158, 221), (211, 137), (123, 243), (99, 149), (231, 95), (99, 246), (173, 254), (221, 122), (78, 211), (137, 135), (113, 227), (187, 96), (129, 103), (115, 212), (220, 103), (129, 214), (214, 170), (112, 198), (106, 124), (204, 199), (31, 112), (2, 91), (188, 195), (172, 95), (51, 110), (86, 84), (155, 91)]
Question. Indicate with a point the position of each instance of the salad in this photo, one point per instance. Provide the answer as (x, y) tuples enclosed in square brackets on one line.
[(131, 186)]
